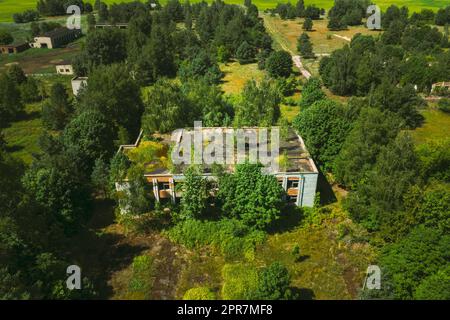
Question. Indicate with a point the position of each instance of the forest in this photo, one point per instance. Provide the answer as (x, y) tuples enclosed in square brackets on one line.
[(357, 116)]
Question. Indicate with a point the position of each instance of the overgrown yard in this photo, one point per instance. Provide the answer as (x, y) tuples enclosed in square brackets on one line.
[(435, 127), (40, 61), (22, 136), (236, 75), (330, 264)]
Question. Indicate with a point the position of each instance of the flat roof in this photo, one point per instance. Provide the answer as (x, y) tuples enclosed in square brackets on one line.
[(296, 158), (58, 32)]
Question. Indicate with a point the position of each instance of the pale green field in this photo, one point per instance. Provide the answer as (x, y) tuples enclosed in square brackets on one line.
[(8, 7)]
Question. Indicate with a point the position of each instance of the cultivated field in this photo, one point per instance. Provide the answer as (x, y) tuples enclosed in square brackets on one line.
[(8, 7)]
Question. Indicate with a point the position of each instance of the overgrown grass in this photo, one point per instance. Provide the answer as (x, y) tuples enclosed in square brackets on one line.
[(436, 126), (330, 265), (22, 136), (236, 75), (9, 7)]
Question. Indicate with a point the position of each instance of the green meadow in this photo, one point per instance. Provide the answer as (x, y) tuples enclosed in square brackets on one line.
[(8, 7)]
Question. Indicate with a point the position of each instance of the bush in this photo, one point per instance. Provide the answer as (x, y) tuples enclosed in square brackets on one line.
[(199, 293), (279, 64), (26, 16), (230, 237), (5, 37), (245, 53), (240, 281), (273, 283), (141, 281), (444, 105)]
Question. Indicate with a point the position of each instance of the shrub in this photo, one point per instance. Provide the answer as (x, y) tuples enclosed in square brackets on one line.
[(141, 280), (444, 105), (239, 281), (199, 293)]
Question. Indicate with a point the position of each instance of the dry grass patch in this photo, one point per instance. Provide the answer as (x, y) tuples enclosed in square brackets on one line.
[(236, 75)]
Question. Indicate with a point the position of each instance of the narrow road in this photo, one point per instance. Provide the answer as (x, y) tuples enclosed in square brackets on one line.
[(298, 63), (295, 58), (342, 37)]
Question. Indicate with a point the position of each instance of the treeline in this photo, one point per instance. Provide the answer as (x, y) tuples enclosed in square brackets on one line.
[(347, 13), (300, 10), (405, 55), (155, 47), (16, 89), (397, 191), (59, 7), (26, 16)]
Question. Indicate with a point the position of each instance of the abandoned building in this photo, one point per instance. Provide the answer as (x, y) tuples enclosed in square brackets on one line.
[(297, 173), (56, 38), (108, 25), (440, 87), (77, 84), (14, 48), (64, 68)]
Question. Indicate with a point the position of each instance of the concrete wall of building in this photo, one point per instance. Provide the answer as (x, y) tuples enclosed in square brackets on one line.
[(64, 69), (42, 42), (77, 83), (309, 189)]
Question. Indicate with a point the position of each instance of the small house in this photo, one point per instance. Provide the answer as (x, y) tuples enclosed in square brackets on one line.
[(56, 38)]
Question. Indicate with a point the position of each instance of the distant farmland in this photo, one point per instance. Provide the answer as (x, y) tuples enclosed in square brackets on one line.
[(8, 7)]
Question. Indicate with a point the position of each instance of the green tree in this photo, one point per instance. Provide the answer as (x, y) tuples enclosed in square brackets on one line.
[(16, 74), (195, 194), (324, 126), (413, 259), (372, 130), (201, 66), (304, 46), (403, 101), (56, 111), (251, 196), (5, 37), (307, 24), (273, 283), (135, 198), (100, 176), (91, 22), (10, 100), (88, 137), (378, 203), (259, 104), (163, 107), (435, 286), (103, 12), (208, 102), (311, 92), (245, 53), (113, 92), (29, 90), (279, 64)]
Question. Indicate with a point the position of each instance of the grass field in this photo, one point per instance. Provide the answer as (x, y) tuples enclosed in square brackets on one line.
[(436, 126), (21, 137), (9, 7), (236, 75)]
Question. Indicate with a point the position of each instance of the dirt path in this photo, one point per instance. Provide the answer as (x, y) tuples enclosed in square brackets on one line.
[(342, 37), (298, 63), (295, 58)]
